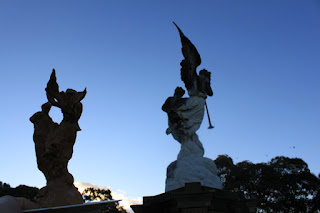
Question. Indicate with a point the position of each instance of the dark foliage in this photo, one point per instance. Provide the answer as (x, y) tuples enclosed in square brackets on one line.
[(281, 185), (20, 191), (93, 194)]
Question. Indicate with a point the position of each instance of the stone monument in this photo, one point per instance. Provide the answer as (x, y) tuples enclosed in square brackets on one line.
[(192, 184), (185, 116), (54, 145)]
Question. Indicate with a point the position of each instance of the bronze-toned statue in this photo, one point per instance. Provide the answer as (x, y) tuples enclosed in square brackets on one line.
[(54, 145)]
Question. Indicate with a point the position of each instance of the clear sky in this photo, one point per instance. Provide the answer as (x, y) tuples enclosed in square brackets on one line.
[(265, 62)]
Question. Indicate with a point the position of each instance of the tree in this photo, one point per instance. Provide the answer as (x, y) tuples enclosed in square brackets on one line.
[(224, 165), (316, 200), (4, 186), (20, 191), (96, 194), (281, 185)]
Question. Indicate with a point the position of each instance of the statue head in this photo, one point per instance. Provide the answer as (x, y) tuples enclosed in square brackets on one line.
[(205, 73), (204, 82), (179, 92), (70, 91)]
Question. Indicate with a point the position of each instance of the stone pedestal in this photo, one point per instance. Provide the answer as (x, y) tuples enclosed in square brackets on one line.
[(191, 169), (194, 198)]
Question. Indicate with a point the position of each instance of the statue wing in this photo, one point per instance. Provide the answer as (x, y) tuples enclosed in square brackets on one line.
[(80, 95), (52, 90), (190, 63)]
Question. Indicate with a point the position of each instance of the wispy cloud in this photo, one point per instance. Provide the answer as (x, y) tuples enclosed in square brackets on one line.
[(117, 194)]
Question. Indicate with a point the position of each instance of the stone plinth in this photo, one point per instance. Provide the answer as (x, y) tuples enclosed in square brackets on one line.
[(194, 198), (192, 169)]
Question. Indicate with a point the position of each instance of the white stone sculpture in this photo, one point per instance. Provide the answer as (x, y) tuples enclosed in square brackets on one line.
[(185, 116)]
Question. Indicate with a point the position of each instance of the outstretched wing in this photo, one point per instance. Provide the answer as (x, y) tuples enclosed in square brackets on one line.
[(52, 89), (190, 63), (80, 95)]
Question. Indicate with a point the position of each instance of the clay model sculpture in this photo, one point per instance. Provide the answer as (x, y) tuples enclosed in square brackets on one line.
[(54, 145)]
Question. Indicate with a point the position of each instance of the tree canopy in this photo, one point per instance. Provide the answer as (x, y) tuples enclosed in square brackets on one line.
[(20, 191), (97, 194), (281, 185), (89, 194)]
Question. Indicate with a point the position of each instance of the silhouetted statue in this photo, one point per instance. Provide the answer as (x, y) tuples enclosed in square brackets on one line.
[(54, 145), (185, 116), (171, 106)]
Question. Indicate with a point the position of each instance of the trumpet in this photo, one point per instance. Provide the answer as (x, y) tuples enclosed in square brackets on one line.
[(210, 125)]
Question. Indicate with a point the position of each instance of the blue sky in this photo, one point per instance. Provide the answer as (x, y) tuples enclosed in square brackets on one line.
[(263, 55)]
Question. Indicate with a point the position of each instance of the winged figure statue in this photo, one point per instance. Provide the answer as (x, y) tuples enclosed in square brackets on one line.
[(54, 144), (197, 85), (68, 101), (185, 115)]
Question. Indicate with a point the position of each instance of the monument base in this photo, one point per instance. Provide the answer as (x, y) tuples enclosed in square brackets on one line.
[(192, 169), (194, 198)]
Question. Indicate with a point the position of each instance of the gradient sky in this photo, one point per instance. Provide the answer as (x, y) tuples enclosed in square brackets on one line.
[(265, 62)]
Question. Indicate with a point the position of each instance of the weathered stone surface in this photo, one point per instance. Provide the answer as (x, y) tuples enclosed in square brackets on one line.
[(54, 145)]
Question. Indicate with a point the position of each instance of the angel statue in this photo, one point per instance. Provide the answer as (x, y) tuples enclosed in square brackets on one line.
[(185, 116), (54, 145)]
